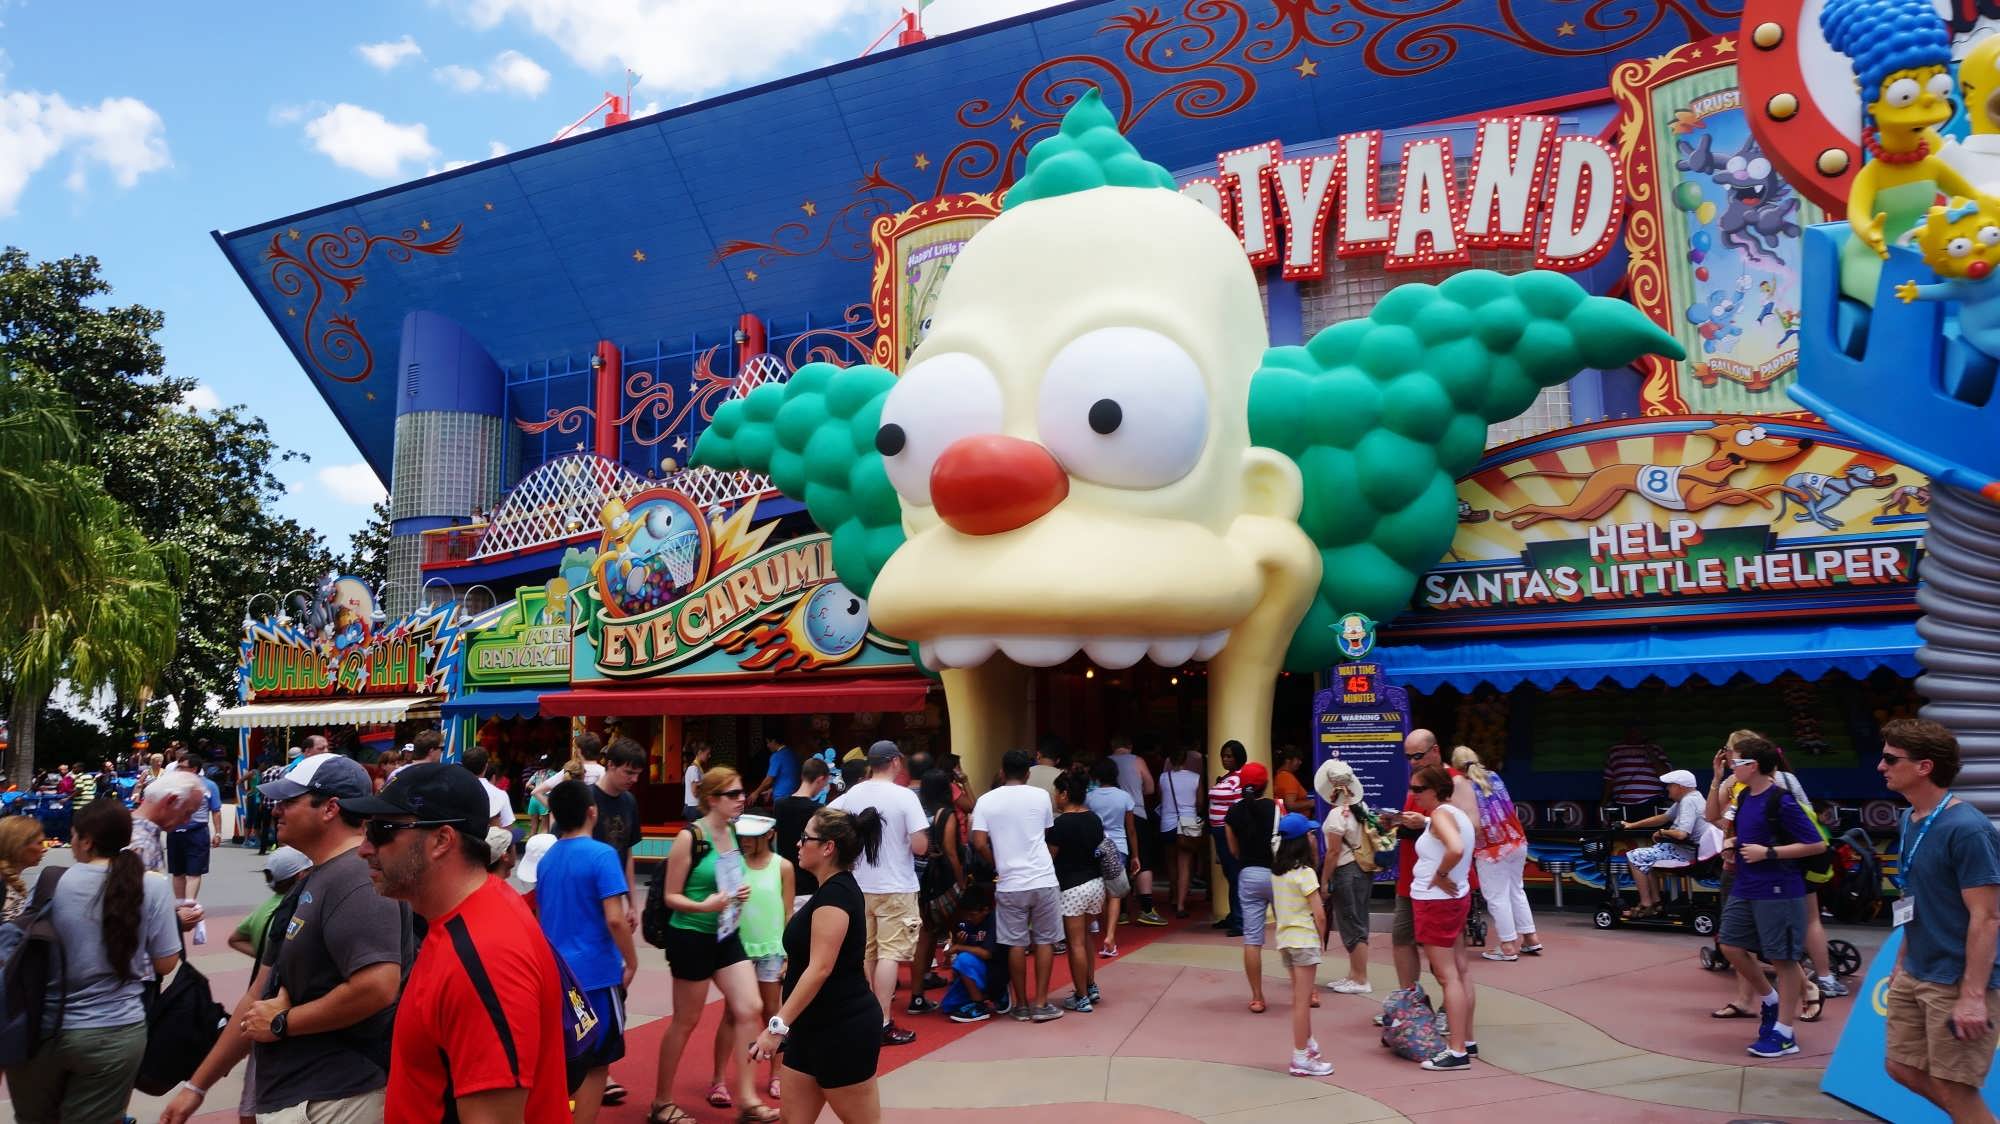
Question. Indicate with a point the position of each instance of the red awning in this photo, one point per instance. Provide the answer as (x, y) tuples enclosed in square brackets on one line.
[(814, 695)]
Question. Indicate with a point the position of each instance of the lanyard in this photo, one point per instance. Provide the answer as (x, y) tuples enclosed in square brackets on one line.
[(1909, 854)]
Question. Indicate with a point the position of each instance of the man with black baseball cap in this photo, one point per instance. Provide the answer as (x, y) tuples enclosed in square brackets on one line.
[(320, 1008), (481, 1020)]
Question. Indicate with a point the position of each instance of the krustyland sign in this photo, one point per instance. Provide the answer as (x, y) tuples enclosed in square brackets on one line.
[(670, 593), (1526, 187), (1676, 520)]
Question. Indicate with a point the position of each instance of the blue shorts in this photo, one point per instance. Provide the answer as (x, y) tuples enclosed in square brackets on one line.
[(966, 969), (609, 1004), (1253, 897), (187, 851), (1774, 928)]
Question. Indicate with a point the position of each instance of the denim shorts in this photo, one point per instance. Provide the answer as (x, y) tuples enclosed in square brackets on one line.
[(1253, 896), (1775, 928), (770, 969)]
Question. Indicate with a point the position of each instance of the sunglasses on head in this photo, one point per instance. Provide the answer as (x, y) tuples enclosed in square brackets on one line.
[(1740, 762), (381, 833)]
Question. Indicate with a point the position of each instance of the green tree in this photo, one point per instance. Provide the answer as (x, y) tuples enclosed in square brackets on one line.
[(107, 620), (200, 482), (39, 479), (367, 555)]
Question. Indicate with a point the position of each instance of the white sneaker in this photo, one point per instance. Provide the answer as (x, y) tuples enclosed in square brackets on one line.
[(1351, 987), (1305, 1065)]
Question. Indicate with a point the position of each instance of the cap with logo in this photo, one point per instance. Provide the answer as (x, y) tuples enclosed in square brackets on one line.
[(323, 774), (437, 794)]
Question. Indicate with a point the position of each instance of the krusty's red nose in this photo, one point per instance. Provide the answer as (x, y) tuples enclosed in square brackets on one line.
[(988, 483)]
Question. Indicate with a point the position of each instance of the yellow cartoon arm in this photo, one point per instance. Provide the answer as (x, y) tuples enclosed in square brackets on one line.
[(1868, 223)]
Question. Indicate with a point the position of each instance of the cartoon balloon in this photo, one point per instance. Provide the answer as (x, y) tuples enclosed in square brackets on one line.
[(1705, 213), (1697, 256), (1701, 274), (1687, 195), (1702, 239)]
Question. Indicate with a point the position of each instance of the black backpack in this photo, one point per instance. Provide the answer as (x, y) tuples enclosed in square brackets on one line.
[(31, 960), (655, 917), (1818, 869), (183, 1021)]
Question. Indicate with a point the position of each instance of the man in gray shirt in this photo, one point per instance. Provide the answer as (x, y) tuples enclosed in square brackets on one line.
[(320, 1010)]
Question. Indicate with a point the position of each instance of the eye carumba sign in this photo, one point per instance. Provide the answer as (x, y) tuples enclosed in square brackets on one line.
[(1526, 187)]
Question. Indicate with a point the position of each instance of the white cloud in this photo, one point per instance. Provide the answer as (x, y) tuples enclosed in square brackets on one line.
[(202, 397), (389, 56), (495, 148), (946, 16), (351, 483), (681, 48), (516, 73), (293, 113), (464, 79), (510, 72), (123, 136), (367, 142)]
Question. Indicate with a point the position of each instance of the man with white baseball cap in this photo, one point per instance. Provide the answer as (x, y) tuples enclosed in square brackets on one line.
[(1679, 832)]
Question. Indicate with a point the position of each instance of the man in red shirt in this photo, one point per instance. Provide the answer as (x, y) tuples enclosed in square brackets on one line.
[(479, 1034)]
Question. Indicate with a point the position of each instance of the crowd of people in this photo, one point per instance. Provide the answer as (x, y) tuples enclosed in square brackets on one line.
[(397, 969)]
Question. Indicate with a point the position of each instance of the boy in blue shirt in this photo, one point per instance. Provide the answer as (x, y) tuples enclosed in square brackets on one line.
[(978, 969), (580, 900)]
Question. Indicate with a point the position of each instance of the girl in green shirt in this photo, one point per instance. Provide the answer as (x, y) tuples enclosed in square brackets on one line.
[(769, 876)]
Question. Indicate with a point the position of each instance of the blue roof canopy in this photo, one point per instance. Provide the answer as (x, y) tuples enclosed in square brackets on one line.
[(1674, 656), (524, 703)]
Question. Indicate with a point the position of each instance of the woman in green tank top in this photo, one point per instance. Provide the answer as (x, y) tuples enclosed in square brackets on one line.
[(769, 877), (706, 885)]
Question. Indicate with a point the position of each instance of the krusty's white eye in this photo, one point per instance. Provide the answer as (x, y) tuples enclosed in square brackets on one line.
[(1124, 407), (935, 403), (1940, 84), (1901, 92)]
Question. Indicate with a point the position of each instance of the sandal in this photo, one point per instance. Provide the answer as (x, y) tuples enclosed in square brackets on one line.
[(1531, 950), (1811, 1009), (1256, 1006), (772, 1090), (614, 1093), (1315, 999), (675, 1114), (718, 1096), (758, 1114), (1732, 1012)]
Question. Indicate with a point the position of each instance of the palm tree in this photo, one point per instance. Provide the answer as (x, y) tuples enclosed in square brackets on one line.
[(39, 488), (98, 606)]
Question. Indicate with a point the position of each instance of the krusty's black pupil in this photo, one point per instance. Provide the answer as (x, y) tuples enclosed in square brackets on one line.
[(1105, 415), (889, 440)]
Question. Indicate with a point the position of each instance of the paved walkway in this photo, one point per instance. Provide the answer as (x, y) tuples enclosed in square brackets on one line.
[(1605, 1027)]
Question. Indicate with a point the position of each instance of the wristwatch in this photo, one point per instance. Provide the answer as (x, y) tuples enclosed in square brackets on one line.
[(278, 1022), (1770, 852), (777, 1027)]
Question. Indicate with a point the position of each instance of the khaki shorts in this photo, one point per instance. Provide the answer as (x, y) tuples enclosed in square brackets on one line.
[(1919, 1036), (363, 1109), (1300, 957), (1403, 930), (893, 922)]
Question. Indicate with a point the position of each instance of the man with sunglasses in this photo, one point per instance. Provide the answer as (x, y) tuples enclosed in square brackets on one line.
[(319, 1010), (1940, 1028), (481, 1023)]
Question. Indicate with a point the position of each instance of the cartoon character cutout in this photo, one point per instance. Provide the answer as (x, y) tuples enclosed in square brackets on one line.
[(1761, 209), (1961, 242), (1357, 635), (1716, 320)]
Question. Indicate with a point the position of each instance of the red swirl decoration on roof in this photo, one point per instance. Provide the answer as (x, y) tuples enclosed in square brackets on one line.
[(329, 268), (1211, 52)]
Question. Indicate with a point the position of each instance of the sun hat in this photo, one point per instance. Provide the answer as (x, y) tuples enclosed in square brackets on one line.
[(754, 826), (1336, 783), (531, 857)]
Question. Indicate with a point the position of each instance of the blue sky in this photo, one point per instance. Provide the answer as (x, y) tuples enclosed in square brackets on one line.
[(131, 130)]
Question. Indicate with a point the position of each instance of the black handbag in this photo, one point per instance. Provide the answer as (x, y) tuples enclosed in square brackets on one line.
[(183, 1022)]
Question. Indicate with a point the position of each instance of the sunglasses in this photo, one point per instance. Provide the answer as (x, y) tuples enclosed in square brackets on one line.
[(1418, 756), (1419, 788), (1895, 758), (1740, 762), (814, 839), (732, 794), (381, 833)]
